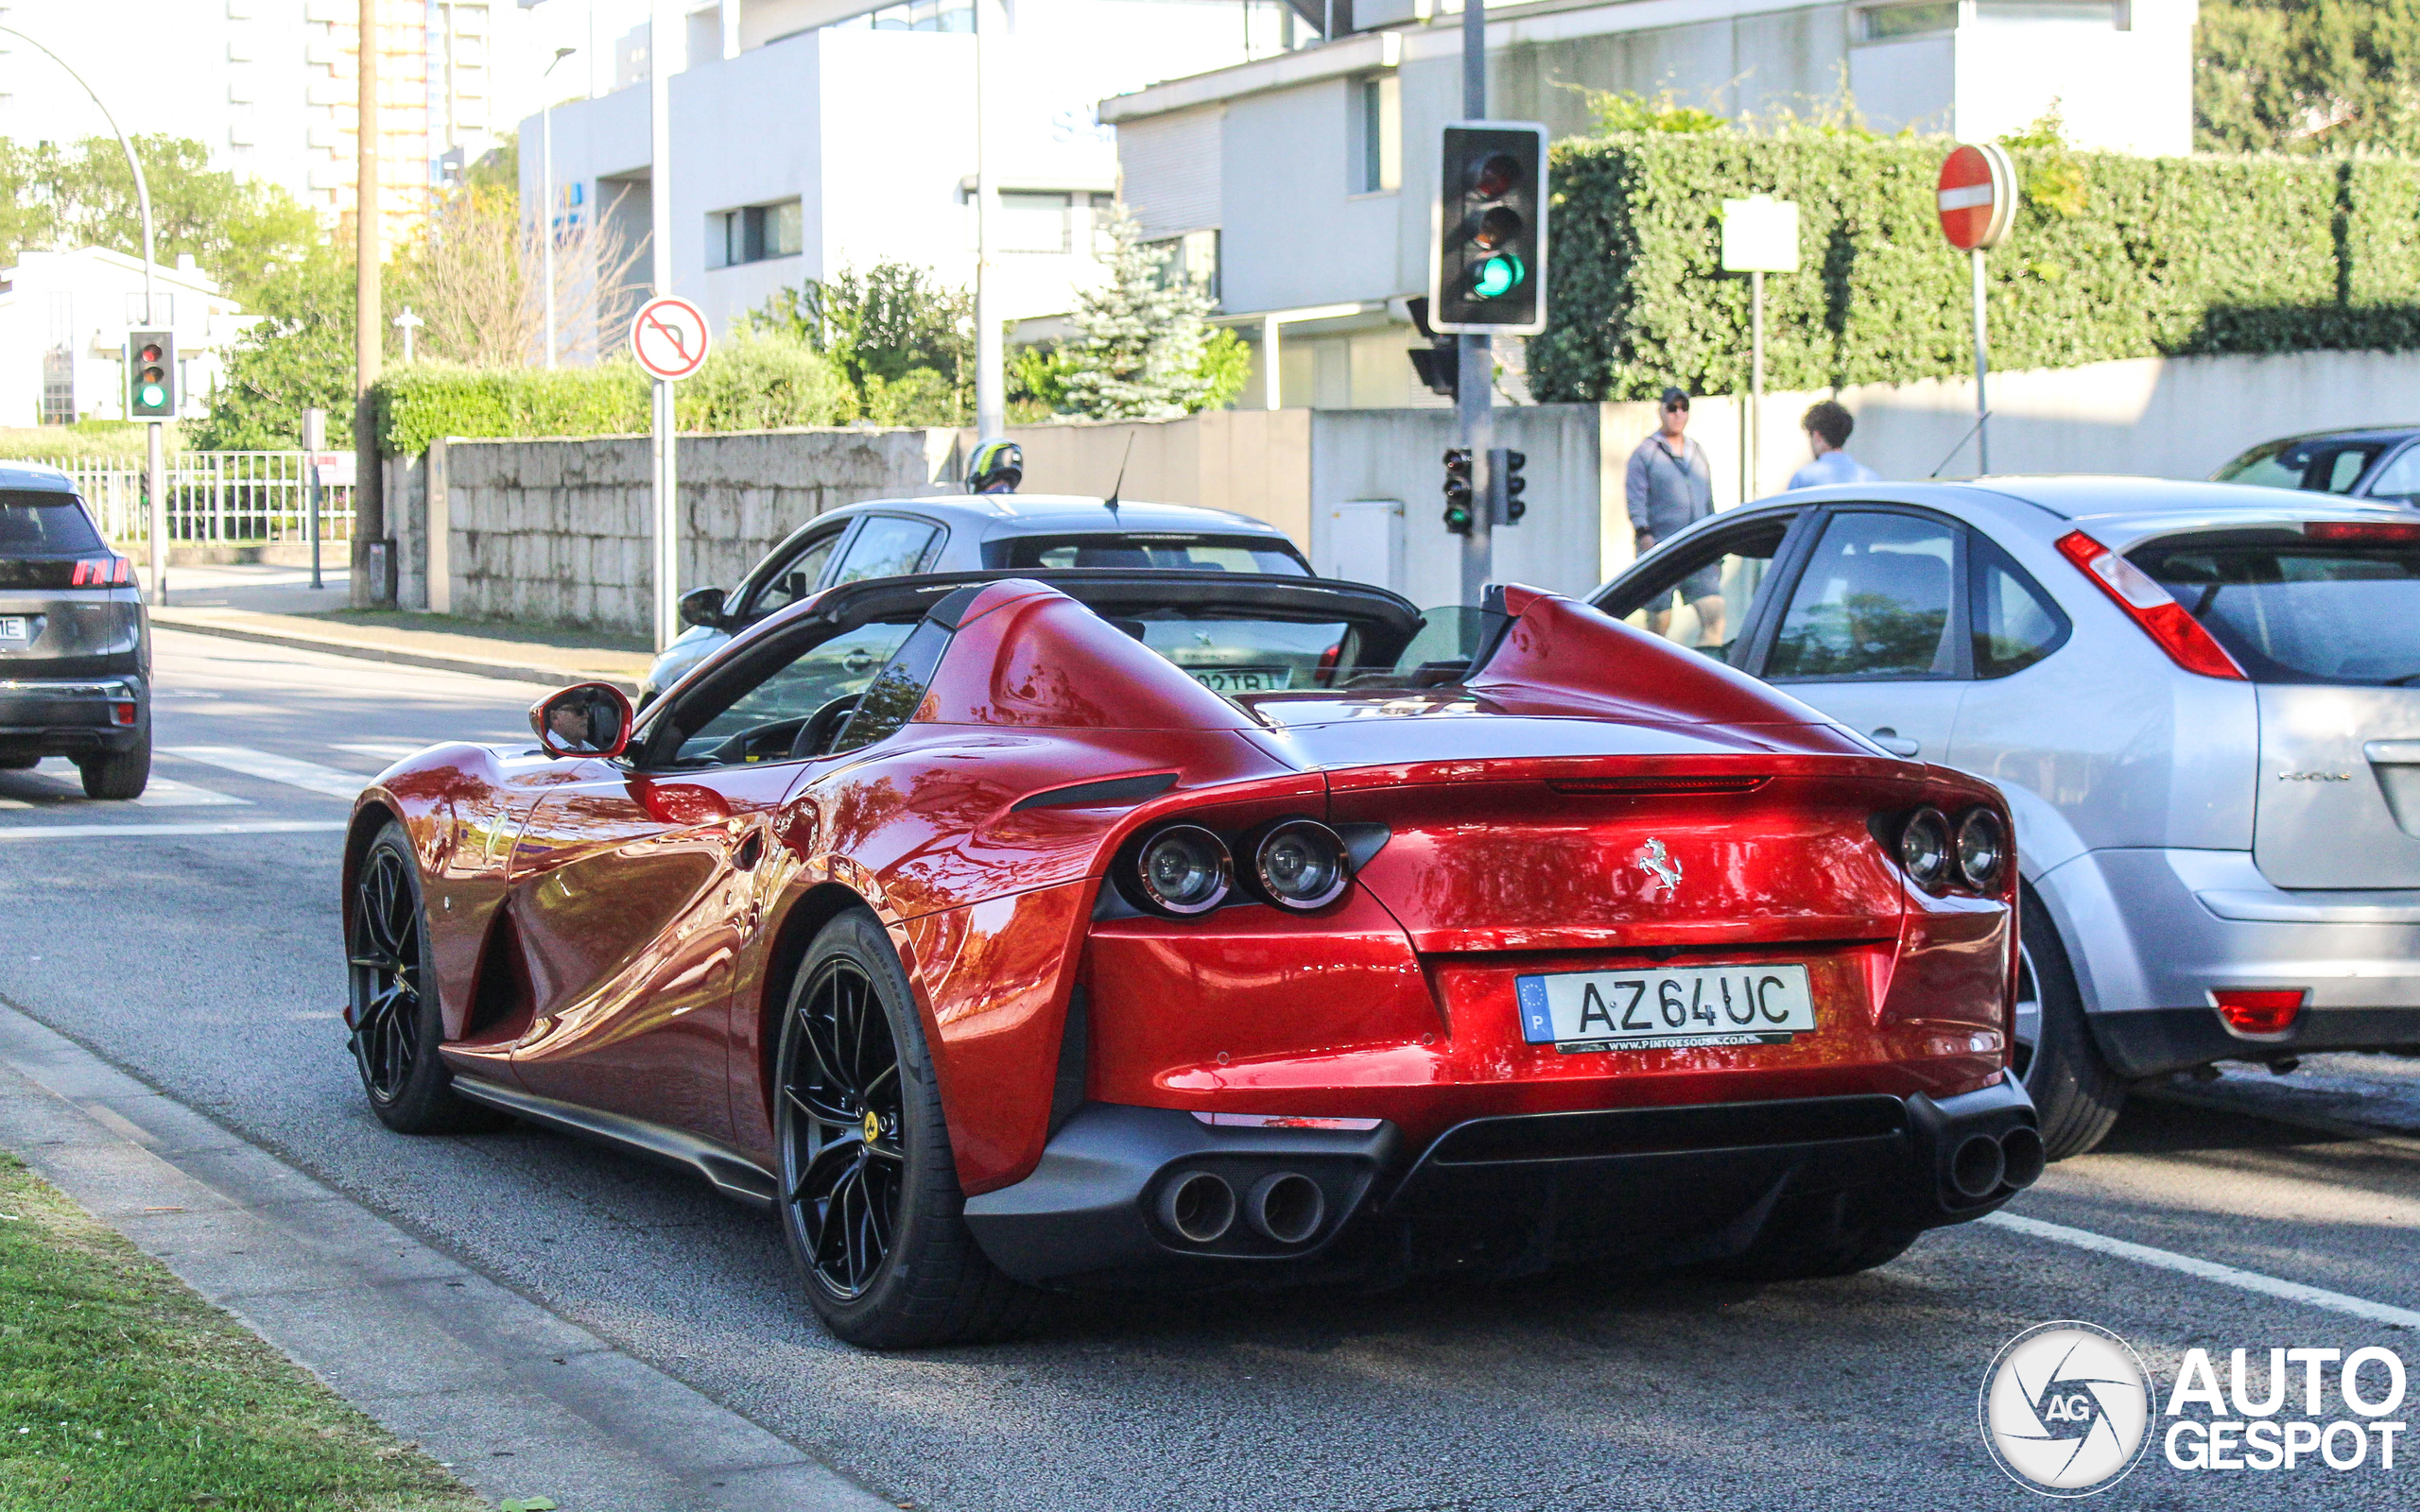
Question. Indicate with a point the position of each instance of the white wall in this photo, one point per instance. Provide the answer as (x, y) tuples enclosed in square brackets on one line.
[(2128, 90)]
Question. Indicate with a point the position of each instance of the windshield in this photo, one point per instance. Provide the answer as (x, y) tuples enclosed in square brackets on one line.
[(1159, 550), (45, 524), (2322, 464), (2303, 610)]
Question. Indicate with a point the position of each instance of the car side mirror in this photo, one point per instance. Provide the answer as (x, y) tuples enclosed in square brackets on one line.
[(703, 607), (591, 719)]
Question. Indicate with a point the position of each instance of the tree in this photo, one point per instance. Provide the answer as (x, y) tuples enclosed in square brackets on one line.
[(903, 339), (477, 275), (298, 355), (1143, 349), (241, 233), (2305, 76)]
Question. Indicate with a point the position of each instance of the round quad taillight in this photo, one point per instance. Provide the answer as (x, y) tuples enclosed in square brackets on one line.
[(1924, 848), (1182, 871), (1301, 864), (1981, 848)]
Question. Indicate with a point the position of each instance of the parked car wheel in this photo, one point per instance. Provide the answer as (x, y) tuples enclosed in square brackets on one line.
[(2075, 1093), (394, 1013), (121, 774), (872, 1208)]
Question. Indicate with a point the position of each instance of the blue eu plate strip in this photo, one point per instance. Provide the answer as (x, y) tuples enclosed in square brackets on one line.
[(1537, 1020)]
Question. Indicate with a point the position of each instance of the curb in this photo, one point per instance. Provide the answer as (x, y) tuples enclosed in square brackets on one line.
[(513, 671), (428, 1346)]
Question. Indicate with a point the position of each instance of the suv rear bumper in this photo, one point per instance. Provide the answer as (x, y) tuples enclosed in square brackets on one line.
[(1505, 1195), (71, 717), (2153, 933)]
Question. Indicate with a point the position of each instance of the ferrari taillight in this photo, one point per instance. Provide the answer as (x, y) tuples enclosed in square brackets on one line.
[(2150, 606)]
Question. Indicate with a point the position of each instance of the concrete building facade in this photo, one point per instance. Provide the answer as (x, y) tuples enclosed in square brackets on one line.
[(1305, 179)]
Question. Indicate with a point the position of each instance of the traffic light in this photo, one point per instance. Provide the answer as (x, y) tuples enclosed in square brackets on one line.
[(1458, 489), (1438, 365), (1488, 266), (1504, 465), (151, 375)]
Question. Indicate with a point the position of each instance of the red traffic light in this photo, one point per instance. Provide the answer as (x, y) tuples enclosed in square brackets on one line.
[(150, 353), (1497, 176)]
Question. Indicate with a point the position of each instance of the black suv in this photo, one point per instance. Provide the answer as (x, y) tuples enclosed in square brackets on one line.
[(75, 643)]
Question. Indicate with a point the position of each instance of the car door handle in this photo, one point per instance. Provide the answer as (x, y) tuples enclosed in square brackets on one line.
[(1892, 741)]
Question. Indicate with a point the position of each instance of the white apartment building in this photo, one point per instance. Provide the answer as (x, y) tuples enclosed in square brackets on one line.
[(810, 136), (1306, 180), (269, 86), (63, 320)]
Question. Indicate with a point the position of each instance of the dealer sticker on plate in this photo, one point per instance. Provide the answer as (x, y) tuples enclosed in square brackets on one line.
[(1581, 1011)]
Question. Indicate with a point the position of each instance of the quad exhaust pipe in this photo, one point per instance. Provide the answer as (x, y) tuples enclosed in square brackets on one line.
[(1982, 1163), (1284, 1207)]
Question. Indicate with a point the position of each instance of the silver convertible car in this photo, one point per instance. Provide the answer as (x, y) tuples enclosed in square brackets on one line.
[(2201, 700)]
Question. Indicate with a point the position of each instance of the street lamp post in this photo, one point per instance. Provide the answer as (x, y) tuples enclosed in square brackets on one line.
[(991, 399), (155, 445), (546, 200), (1475, 383)]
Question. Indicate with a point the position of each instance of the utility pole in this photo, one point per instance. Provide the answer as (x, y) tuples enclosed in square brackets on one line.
[(368, 553), (546, 198), (155, 444), (1475, 385), (991, 398), (661, 36)]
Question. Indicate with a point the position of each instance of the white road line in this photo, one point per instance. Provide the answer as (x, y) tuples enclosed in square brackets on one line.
[(84, 831), (386, 750), (2208, 1270), (270, 767), (166, 792), (60, 789)]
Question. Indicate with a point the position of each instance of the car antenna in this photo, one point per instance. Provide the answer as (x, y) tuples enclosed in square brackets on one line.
[(1962, 443), (1110, 504)]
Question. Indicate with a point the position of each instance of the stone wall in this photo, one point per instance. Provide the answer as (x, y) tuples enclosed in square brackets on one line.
[(557, 532)]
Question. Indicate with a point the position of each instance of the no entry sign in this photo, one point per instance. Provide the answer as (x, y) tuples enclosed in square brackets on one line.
[(1976, 196), (670, 337)]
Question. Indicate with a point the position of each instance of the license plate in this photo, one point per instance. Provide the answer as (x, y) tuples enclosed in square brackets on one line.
[(14, 628), (1240, 679), (1582, 1011)]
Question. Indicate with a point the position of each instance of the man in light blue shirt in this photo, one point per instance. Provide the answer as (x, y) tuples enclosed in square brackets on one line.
[(1827, 425)]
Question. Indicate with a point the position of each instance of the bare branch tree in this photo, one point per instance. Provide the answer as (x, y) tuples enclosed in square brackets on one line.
[(476, 277)]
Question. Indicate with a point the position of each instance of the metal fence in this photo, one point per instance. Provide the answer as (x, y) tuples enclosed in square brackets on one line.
[(239, 498)]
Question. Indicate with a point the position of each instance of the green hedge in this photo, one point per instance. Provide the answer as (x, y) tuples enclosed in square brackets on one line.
[(2110, 256), (748, 383)]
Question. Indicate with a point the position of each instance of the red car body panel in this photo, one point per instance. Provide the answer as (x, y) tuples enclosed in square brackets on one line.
[(621, 941)]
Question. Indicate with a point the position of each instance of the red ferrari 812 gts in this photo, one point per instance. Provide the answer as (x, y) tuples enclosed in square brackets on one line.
[(1011, 934)]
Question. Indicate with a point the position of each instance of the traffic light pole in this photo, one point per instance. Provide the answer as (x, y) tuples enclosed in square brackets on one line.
[(156, 466), (1475, 372)]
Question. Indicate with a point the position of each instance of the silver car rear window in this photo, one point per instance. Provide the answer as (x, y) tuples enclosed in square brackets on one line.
[(2292, 608), (45, 524), (1217, 554)]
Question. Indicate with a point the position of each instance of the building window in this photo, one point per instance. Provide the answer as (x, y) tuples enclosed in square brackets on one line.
[(1895, 23), (57, 387), (752, 234), (2107, 15), (1377, 136), (1193, 257), (918, 15)]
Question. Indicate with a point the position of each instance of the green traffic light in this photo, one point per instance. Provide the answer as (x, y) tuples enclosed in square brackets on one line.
[(1498, 275), (155, 396)]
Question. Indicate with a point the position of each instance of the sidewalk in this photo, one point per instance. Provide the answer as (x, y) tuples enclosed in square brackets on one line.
[(277, 605)]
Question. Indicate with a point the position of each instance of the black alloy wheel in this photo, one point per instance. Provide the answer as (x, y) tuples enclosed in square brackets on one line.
[(871, 1206), (396, 1025), (841, 1116)]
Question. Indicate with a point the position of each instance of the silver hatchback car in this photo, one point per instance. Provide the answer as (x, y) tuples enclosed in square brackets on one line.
[(2202, 702)]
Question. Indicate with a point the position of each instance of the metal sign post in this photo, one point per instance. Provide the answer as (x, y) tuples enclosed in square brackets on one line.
[(1759, 236), (1475, 385), (669, 340), (1975, 197), (314, 440)]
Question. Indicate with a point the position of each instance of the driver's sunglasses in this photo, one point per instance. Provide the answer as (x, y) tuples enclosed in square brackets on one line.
[(1676, 409)]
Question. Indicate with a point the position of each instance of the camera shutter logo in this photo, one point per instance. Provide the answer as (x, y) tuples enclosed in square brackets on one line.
[(2067, 1409)]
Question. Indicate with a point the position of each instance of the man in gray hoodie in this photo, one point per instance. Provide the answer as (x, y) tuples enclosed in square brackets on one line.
[(1670, 485)]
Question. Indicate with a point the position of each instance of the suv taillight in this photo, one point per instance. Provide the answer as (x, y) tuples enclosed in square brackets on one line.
[(2150, 606), (104, 572)]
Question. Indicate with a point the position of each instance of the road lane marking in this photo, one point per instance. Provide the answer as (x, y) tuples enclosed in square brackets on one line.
[(80, 831), (270, 767), (385, 750), (56, 789), (2208, 1270)]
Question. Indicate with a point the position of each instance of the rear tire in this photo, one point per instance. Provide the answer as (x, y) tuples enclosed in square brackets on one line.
[(118, 775), (393, 1007), (876, 1224), (2076, 1094)]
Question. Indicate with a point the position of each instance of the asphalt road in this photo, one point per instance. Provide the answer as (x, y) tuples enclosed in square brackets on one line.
[(209, 964)]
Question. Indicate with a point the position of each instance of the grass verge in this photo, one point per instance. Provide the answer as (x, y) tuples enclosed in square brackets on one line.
[(122, 1391)]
